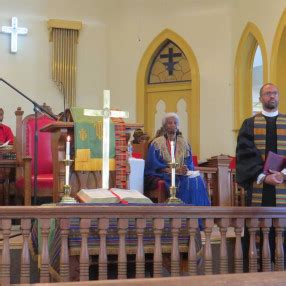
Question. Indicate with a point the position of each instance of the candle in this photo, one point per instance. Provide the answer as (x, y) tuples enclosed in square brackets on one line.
[(68, 148), (172, 152), (172, 161), (173, 183), (68, 158), (67, 174)]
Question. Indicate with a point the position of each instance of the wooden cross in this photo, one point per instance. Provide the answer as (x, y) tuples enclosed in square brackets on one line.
[(106, 113)]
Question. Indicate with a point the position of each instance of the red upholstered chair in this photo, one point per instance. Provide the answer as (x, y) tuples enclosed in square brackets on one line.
[(25, 155)]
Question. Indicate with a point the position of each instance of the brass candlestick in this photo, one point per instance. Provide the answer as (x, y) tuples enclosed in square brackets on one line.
[(67, 188), (173, 189)]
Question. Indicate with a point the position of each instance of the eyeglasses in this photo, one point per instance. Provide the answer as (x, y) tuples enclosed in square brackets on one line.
[(269, 93)]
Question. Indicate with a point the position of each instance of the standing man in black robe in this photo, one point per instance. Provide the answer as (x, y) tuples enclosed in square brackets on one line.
[(259, 135)]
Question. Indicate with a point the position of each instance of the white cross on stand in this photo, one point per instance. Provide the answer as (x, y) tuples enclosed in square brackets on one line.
[(106, 113), (14, 30)]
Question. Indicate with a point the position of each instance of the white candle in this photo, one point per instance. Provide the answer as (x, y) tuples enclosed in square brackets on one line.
[(67, 174), (172, 152), (68, 158), (68, 148), (173, 183), (172, 161)]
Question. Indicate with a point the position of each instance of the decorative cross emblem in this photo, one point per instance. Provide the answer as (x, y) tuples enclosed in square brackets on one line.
[(106, 113), (170, 63), (14, 30)]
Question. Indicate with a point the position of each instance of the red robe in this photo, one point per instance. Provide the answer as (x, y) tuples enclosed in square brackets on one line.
[(6, 134)]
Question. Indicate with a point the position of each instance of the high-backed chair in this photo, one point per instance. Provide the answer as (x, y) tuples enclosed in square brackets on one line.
[(158, 194), (25, 146)]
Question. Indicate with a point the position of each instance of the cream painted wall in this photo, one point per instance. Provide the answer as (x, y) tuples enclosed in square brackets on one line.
[(114, 37), (30, 69)]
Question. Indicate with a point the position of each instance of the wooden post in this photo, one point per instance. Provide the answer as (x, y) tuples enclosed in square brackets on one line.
[(27, 181), (223, 195)]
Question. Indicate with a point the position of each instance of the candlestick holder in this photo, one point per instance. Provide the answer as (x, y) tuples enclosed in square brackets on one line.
[(67, 188), (67, 199), (173, 189)]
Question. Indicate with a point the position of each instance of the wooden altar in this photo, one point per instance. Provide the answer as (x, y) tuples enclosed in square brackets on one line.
[(80, 179)]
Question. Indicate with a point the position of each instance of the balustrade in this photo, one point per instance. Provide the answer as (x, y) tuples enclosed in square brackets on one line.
[(161, 222)]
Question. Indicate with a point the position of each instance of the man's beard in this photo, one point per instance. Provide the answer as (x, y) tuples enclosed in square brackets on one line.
[(271, 105)]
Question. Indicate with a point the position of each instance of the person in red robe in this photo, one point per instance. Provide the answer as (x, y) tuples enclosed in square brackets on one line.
[(6, 134)]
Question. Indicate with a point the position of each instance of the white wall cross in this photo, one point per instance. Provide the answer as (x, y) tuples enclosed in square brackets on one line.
[(14, 30)]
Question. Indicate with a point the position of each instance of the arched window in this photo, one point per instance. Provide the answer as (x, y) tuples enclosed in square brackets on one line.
[(245, 71), (170, 65), (257, 80)]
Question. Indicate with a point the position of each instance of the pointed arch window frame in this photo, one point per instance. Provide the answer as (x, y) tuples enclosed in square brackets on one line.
[(251, 37)]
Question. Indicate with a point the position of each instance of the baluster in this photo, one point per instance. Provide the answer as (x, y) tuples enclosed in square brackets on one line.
[(265, 224), (175, 254), (5, 273), (223, 224), (208, 223), (25, 257), (140, 255), (238, 254), (45, 275), (64, 258), (252, 225), (103, 224), (122, 256), (158, 225), (192, 251), (279, 225), (84, 256)]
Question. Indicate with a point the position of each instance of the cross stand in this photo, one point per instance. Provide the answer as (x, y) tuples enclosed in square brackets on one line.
[(106, 113), (67, 199), (173, 199)]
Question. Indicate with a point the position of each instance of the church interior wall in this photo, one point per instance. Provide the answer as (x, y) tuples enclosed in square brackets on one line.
[(112, 42)]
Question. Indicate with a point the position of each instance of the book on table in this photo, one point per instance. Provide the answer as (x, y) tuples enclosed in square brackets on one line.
[(274, 162), (114, 195)]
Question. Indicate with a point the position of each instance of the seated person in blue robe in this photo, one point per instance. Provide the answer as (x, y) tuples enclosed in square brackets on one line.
[(190, 189)]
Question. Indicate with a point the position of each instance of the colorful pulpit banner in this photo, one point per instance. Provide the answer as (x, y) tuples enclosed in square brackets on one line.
[(88, 134)]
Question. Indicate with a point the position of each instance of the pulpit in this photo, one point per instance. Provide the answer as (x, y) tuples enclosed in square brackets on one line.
[(79, 179)]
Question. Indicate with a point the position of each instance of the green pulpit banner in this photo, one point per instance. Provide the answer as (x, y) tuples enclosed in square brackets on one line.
[(88, 133)]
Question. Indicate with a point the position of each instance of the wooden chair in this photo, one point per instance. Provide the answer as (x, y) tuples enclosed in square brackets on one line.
[(25, 130)]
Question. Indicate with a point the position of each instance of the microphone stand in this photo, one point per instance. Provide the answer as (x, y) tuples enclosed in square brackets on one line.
[(37, 108)]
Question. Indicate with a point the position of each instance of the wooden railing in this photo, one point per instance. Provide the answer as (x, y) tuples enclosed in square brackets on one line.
[(173, 221)]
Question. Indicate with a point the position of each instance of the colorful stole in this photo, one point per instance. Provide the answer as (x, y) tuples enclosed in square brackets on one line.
[(182, 149), (260, 142), (120, 153)]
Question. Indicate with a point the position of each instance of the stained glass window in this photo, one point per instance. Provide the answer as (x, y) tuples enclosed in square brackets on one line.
[(169, 65)]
